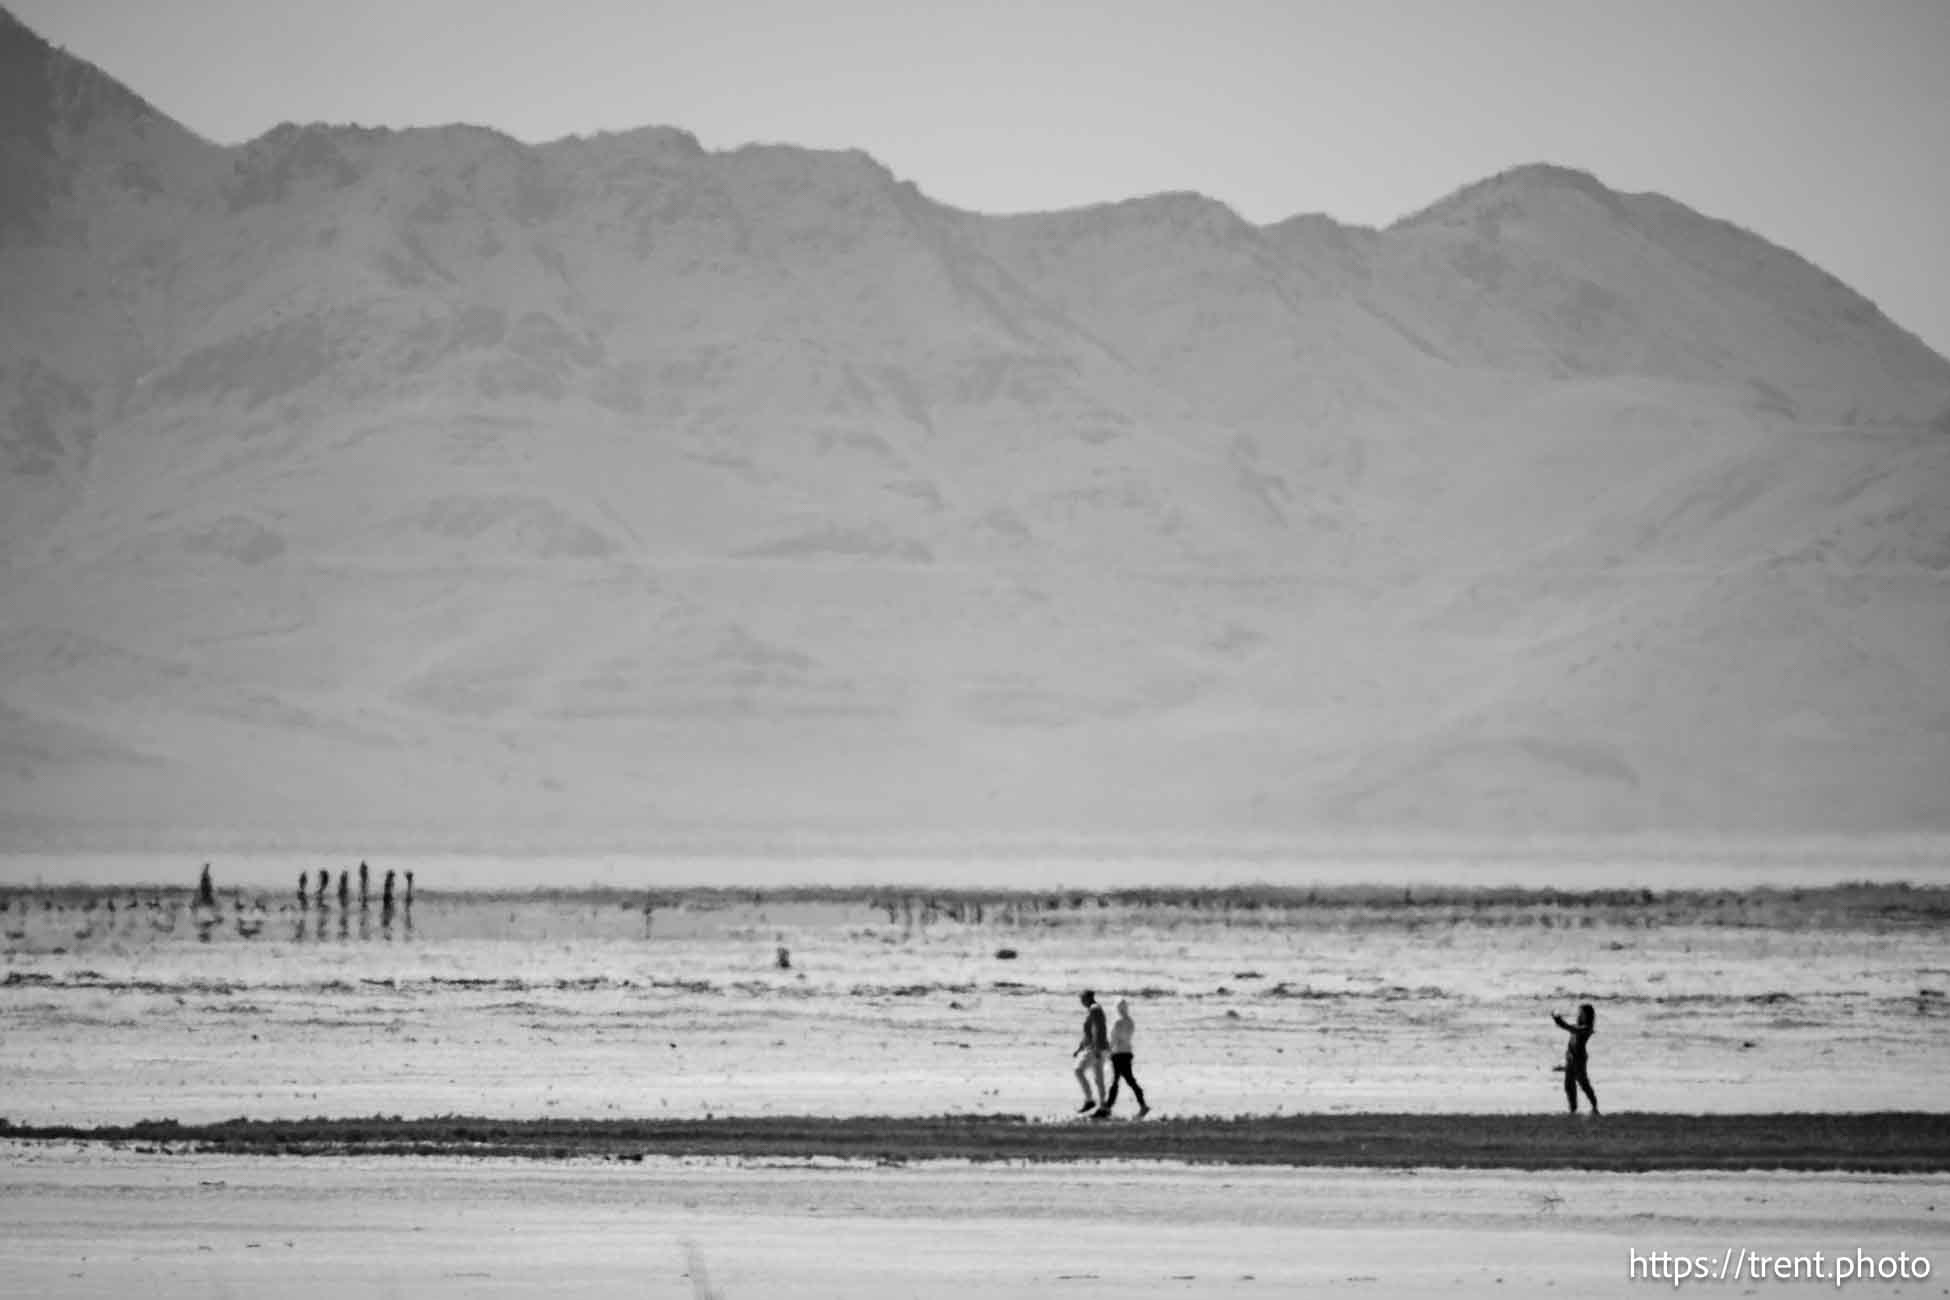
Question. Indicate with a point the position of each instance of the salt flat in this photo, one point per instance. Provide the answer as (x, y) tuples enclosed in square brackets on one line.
[(584, 1009), (531, 1008), (89, 1221)]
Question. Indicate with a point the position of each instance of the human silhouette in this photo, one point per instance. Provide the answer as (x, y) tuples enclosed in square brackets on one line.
[(1122, 1030), (1576, 1056), (1092, 1048)]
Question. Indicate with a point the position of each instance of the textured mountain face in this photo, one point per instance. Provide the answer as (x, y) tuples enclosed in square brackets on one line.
[(430, 485)]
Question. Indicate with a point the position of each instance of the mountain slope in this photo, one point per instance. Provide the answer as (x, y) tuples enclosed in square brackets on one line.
[(430, 485), (1544, 268)]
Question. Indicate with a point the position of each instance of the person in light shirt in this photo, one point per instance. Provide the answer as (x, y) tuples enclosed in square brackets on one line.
[(1122, 1030)]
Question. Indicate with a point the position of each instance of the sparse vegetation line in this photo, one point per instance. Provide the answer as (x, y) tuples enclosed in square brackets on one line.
[(1895, 1142)]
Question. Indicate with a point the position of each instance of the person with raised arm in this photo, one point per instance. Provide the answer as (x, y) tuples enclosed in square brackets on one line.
[(1577, 1056)]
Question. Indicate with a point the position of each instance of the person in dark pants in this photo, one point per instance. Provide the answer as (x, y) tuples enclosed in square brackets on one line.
[(1093, 1047), (1122, 1030), (1576, 1058)]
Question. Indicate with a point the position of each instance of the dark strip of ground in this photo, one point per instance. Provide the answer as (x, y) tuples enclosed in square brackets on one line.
[(1892, 1142)]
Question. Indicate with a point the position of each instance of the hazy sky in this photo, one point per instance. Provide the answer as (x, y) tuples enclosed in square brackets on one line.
[(1823, 126)]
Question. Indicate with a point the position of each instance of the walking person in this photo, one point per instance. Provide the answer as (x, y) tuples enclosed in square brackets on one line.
[(1093, 1048), (1122, 1031), (1576, 1056)]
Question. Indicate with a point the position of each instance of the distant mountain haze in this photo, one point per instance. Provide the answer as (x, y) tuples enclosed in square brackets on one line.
[(363, 486)]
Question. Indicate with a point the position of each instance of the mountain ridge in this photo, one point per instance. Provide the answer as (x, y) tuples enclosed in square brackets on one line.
[(405, 481)]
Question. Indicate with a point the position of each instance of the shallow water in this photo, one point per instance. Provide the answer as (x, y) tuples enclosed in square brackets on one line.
[(588, 1006), (1562, 863)]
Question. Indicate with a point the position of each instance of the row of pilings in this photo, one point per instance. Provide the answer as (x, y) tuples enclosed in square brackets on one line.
[(315, 900), (87, 913), (320, 895)]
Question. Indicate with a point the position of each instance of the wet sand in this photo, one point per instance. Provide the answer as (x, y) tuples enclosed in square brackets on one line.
[(1909, 1142), (90, 1221)]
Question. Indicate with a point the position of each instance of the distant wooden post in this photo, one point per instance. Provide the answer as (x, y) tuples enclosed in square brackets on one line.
[(206, 893)]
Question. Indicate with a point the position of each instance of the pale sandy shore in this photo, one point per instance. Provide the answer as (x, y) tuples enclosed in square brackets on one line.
[(93, 1221)]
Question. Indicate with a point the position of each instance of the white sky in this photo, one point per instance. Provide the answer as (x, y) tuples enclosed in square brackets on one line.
[(1824, 126)]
